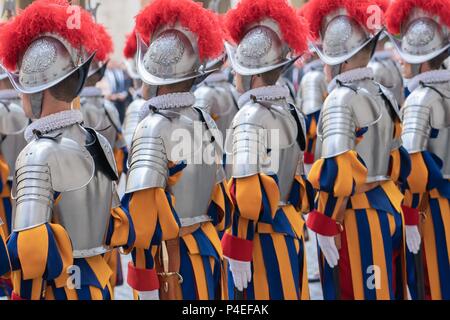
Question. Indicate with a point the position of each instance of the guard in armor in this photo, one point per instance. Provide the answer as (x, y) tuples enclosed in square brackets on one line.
[(385, 68), (133, 113), (357, 218), (66, 214), (265, 247), (175, 186), (423, 43), (99, 113)]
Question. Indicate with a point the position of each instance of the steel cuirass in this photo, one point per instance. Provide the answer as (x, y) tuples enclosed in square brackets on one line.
[(360, 105), (428, 108), (312, 92), (173, 135), (254, 149), (77, 167), (132, 119)]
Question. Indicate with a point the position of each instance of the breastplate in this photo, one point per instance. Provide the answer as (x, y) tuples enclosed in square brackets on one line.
[(376, 145), (194, 189)]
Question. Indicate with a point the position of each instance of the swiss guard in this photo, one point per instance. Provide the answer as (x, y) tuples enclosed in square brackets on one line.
[(175, 186), (265, 245), (422, 39), (358, 217), (67, 213)]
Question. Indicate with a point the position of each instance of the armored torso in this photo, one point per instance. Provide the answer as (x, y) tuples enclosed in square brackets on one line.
[(66, 174), (358, 106), (267, 137), (174, 132), (13, 122), (426, 116)]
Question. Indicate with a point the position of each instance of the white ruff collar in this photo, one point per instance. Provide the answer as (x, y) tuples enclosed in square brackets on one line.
[(434, 76), (168, 101), (53, 122), (351, 76), (269, 93)]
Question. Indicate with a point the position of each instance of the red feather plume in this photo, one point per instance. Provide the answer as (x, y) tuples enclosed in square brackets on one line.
[(383, 4), (317, 10), (40, 17), (105, 43), (191, 15), (293, 29), (130, 45), (399, 11)]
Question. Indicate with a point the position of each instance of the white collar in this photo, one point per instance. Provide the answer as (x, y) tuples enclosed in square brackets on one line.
[(434, 76), (53, 122), (91, 92), (269, 93), (168, 101), (351, 76), (216, 77), (313, 65)]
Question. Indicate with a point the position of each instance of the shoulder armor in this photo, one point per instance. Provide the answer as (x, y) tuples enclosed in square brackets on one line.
[(312, 92), (45, 166), (213, 130), (148, 161), (387, 72), (252, 134), (345, 110), (425, 108), (106, 155), (131, 121), (12, 118)]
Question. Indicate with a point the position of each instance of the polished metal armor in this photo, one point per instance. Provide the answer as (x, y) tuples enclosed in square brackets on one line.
[(428, 108), (312, 92), (63, 164), (252, 146), (360, 104), (387, 73), (218, 100), (157, 140), (132, 119), (13, 122), (101, 115)]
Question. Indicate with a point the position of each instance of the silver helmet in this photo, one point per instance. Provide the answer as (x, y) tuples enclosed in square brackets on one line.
[(423, 37), (260, 50), (342, 37), (171, 57), (49, 60)]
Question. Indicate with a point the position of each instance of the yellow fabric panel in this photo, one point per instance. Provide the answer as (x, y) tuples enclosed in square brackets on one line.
[(140, 258), (242, 228), (121, 227), (3, 227), (4, 173), (445, 214), (296, 221), (64, 245), (272, 192), (119, 157), (100, 268), (349, 169), (212, 235), (144, 215), (395, 165), (32, 247), (36, 289), (287, 278), (304, 206), (197, 267), (260, 284), (417, 180), (378, 254), (351, 232), (429, 243), (249, 197), (96, 293), (360, 201), (314, 174), (191, 244), (394, 194), (169, 225)]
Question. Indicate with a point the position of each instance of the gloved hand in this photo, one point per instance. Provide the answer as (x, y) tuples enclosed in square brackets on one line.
[(329, 249), (242, 273), (149, 295), (413, 239)]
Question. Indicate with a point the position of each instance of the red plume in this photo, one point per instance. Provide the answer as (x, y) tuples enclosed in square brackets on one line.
[(130, 45), (105, 43), (399, 11), (191, 15), (247, 12), (40, 17), (317, 10), (383, 4)]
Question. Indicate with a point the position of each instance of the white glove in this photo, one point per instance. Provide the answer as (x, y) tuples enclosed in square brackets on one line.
[(329, 249), (149, 295), (413, 239), (242, 273)]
